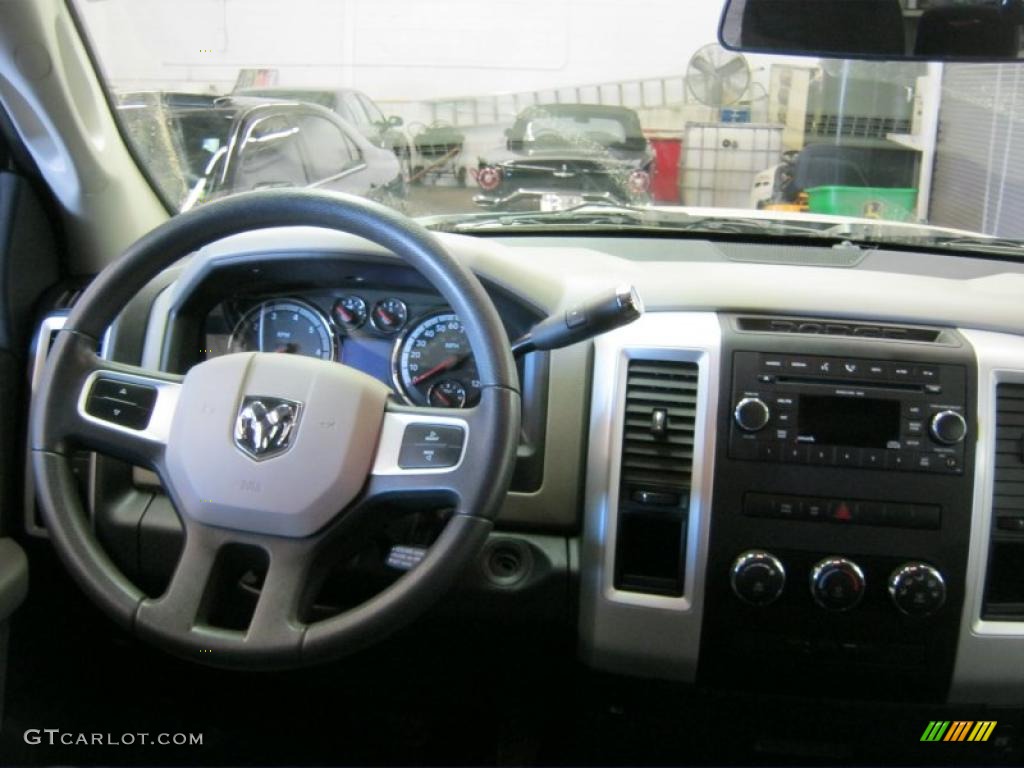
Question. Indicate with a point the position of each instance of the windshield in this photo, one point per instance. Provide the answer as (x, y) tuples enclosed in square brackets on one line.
[(549, 114)]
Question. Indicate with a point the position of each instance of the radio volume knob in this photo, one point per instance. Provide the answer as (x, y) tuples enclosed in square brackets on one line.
[(917, 589), (948, 427), (751, 414), (757, 577), (837, 583)]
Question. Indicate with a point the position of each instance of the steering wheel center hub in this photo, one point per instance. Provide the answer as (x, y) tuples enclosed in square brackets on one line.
[(272, 443)]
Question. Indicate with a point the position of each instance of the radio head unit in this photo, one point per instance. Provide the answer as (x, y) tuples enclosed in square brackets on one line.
[(849, 412)]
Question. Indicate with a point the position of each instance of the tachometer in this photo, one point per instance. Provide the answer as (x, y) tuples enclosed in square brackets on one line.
[(433, 364), (289, 326)]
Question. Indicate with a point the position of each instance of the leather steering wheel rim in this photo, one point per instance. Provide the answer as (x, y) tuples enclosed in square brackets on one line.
[(475, 488)]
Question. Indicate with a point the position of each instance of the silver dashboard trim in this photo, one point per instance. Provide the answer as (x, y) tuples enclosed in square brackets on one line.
[(990, 654), (40, 350), (630, 632)]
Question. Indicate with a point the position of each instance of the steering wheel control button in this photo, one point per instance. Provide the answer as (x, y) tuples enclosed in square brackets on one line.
[(757, 578), (122, 403), (751, 414), (917, 589), (948, 428), (430, 446), (115, 412), (837, 584)]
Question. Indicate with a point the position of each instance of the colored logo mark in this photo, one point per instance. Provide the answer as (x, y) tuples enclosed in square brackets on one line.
[(958, 730)]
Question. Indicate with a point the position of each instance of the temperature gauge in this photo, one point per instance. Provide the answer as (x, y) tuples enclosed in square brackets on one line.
[(389, 315), (349, 312)]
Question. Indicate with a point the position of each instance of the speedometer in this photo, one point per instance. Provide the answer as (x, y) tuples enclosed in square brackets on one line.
[(433, 365), (289, 326)]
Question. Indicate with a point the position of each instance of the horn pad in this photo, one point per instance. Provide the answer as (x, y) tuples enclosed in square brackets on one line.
[(272, 443)]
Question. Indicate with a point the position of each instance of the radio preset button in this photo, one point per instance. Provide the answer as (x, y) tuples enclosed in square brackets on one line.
[(796, 454), (821, 454), (848, 457), (873, 458)]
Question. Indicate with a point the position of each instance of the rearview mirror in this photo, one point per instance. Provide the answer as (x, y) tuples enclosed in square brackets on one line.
[(394, 121), (930, 30)]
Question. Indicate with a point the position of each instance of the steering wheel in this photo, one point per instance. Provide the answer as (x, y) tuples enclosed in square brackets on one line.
[(280, 455)]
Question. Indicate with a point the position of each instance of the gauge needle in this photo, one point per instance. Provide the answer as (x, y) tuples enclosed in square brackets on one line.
[(386, 316), (346, 316), (441, 396), (447, 364)]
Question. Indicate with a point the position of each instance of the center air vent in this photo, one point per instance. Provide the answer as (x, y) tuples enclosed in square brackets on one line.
[(656, 474), (814, 327), (1004, 587), (661, 406)]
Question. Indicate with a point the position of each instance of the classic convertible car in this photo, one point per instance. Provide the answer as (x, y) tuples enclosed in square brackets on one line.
[(564, 155), (291, 478)]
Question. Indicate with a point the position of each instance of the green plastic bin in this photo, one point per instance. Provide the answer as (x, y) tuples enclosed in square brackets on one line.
[(892, 203)]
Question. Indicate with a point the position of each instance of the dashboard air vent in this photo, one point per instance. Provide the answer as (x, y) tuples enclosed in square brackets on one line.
[(661, 402), (1004, 588), (838, 328), (656, 475)]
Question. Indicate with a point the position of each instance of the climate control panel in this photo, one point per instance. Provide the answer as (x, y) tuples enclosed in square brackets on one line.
[(837, 583)]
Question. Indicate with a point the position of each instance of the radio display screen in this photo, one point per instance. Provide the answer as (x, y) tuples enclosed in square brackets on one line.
[(857, 422)]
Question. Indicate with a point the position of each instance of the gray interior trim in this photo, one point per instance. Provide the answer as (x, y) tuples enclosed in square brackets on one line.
[(990, 654), (625, 631), (13, 578)]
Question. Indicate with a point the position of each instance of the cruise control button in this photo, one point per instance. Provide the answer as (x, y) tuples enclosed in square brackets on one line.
[(428, 456), (427, 446), (138, 395), (116, 412)]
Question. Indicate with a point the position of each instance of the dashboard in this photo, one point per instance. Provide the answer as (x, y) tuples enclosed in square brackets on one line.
[(800, 471), (410, 341)]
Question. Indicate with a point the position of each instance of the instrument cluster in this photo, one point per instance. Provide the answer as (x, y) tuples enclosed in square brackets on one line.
[(412, 342)]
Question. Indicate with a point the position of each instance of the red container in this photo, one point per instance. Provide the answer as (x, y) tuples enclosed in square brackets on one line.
[(665, 179)]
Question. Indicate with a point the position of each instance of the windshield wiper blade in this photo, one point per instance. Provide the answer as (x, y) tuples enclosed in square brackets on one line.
[(602, 213)]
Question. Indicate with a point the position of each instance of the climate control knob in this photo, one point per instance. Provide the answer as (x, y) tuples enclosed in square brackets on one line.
[(757, 577), (948, 427), (751, 414), (837, 583), (917, 589)]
